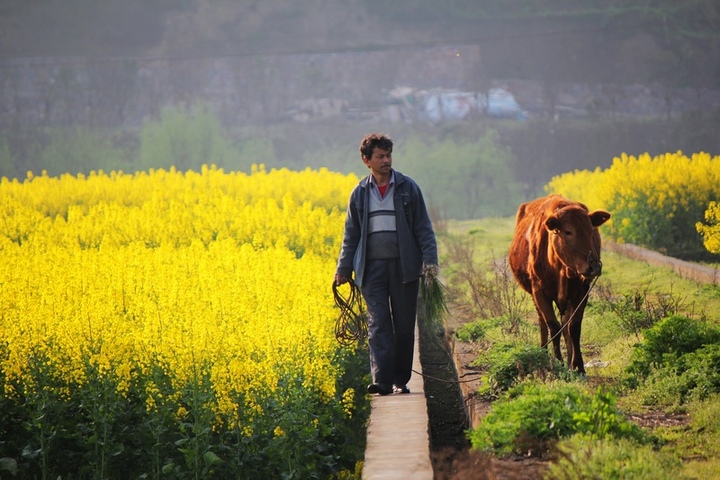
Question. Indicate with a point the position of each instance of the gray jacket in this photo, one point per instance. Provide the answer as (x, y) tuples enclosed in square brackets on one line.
[(416, 237)]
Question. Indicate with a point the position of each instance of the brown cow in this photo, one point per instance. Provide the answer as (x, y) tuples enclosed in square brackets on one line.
[(554, 256)]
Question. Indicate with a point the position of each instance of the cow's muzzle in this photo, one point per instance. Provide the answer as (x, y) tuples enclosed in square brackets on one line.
[(594, 266)]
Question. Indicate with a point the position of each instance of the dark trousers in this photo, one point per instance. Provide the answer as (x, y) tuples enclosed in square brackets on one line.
[(392, 307)]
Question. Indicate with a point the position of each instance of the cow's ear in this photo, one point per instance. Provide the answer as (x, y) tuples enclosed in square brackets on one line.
[(598, 217), (552, 223)]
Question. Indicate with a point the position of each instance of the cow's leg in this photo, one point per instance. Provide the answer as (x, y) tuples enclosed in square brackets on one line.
[(577, 363), (549, 323), (570, 349), (573, 319), (543, 328)]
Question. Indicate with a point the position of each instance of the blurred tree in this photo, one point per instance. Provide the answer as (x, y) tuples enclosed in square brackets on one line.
[(77, 150), (187, 139), (7, 164), (463, 179)]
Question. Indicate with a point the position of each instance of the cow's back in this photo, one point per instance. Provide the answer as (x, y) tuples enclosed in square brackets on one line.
[(531, 238)]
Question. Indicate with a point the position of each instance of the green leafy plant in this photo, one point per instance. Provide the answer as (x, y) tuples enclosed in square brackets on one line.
[(602, 419), (532, 416), (636, 310), (471, 332), (584, 457), (667, 341), (693, 376), (508, 363)]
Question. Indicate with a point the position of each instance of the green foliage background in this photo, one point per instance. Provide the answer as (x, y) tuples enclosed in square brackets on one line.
[(185, 138), (467, 170)]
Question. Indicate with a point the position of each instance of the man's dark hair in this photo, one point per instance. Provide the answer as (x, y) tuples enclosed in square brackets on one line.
[(373, 140)]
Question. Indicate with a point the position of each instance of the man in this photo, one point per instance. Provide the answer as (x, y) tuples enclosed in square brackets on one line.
[(388, 243)]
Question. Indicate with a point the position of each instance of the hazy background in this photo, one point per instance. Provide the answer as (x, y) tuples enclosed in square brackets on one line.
[(487, 100)]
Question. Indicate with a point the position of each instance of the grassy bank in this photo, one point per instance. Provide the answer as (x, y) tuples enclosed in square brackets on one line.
[(627, 313)]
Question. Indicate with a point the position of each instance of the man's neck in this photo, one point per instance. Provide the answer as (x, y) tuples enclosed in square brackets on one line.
[(382, 180)]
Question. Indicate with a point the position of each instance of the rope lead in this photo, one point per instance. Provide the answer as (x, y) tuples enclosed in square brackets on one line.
[(351, 325)]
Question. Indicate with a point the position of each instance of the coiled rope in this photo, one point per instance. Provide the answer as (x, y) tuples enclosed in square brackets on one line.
[(351, 324)]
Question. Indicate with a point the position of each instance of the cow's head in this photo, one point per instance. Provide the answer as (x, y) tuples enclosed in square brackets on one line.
[(575, 239)]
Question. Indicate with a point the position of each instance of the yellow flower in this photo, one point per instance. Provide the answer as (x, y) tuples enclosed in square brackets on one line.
[(173, 280)]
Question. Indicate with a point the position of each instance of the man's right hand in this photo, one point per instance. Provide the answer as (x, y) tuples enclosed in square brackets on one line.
[(340, 279)]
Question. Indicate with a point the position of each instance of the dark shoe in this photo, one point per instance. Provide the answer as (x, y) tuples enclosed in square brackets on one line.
[(401, 389), (379, 388)]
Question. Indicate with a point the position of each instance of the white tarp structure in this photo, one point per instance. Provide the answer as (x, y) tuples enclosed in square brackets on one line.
[(501, 103), (440, 105)]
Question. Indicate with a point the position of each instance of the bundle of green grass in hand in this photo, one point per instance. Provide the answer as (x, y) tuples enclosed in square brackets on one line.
[(432, 295)]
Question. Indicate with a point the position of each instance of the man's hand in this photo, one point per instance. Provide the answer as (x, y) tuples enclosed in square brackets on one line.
[(432, 270), (341, 279)]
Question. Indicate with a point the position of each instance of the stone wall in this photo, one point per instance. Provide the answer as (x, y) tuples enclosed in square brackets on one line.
[(253, 89), (114, 92)]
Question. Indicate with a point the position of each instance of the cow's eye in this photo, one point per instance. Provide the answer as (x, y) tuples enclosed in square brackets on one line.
[(568, 233)]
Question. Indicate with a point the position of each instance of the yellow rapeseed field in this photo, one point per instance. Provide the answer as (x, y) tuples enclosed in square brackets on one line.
[(656, 201), (212, 273)]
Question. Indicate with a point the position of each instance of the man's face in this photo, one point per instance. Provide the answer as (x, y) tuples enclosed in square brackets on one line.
[(380, 163)]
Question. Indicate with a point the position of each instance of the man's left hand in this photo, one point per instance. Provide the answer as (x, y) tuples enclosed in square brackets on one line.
[(431, 269)]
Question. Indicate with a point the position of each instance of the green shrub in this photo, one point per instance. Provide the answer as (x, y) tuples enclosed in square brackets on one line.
[(662, 387), (637, 312), (583, 457), (471, 332), (693, 376), (78, 150), (532, 416), (701, 370), (507, 364), (667, 341), (186, 139)]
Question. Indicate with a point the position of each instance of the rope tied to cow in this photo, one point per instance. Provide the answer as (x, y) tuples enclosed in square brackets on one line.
[(590, 256), (351, 324), (563, 325)]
